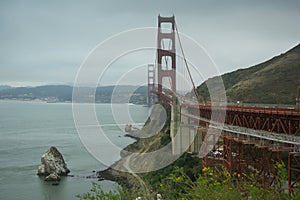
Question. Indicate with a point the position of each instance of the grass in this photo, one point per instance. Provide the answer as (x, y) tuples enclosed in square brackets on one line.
[(263, 82)]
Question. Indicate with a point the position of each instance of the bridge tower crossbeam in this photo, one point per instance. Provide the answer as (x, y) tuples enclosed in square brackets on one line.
[(151, 83)]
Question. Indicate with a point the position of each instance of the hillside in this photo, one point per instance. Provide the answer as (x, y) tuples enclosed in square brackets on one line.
[(47, 93), (261, 82)]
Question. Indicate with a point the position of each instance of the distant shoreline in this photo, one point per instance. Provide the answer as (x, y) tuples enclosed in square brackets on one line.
[(64, 93), (66, 102)]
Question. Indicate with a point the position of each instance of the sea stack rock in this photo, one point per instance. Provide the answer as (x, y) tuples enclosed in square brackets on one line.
[(52, 165)]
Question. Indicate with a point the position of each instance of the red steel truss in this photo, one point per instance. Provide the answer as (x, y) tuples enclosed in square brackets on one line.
[(244, 155)]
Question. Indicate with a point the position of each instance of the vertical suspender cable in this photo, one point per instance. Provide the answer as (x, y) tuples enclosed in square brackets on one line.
[(186, 64), (166, 61)]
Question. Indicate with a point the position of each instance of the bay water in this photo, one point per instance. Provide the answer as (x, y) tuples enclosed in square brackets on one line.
[(29, 128)]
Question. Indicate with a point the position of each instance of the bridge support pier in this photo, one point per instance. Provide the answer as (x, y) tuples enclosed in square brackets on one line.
[(227, 154), (298, 98), (195, 139), (174, 126), (293, 171), (211, 149), (245, 157)]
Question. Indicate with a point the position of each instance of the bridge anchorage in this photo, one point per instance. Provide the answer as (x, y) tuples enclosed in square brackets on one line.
[(250, 139)]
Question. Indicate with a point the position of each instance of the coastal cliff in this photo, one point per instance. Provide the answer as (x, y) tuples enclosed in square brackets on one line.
[(149, 139)]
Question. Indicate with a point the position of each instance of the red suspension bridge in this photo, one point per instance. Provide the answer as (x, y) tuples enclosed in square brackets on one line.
[(251, 139)]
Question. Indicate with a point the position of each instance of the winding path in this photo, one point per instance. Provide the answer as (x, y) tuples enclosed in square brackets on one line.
[(140, 180)]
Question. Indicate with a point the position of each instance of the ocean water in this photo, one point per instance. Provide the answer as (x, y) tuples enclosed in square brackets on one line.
[(28, 129)]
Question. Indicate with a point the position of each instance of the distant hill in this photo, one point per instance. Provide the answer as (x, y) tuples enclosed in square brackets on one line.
[(4, 87), (47, 92), (261, 82), (63, 93)]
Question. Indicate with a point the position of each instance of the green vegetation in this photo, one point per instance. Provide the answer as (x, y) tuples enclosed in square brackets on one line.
[(175, 182), (262, 82), (97, 193), (190, 165), (165, 139), (217, 184)]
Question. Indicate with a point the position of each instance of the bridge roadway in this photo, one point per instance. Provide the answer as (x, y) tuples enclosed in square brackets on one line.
[(284, 138), (275, 137)]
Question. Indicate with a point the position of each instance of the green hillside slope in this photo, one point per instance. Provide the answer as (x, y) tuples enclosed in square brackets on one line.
[(262, 82)]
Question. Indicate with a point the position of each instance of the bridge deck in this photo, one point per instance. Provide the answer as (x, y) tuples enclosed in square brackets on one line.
[(276, 137), (250, 109)]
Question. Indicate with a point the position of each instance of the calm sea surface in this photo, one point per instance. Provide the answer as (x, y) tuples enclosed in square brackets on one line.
[(28, 129)]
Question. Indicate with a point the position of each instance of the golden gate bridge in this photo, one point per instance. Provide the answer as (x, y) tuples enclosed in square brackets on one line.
[(242, 139)]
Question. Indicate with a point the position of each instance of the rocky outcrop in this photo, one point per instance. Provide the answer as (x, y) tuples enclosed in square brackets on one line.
[(132, 132), (122, 178), (130, 129), (52, 177), (52, 165)]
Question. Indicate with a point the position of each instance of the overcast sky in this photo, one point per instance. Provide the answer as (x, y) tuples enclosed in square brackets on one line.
[(45, 42)]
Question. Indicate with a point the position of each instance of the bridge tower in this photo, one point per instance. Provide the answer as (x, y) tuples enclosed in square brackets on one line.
[(166, 55)]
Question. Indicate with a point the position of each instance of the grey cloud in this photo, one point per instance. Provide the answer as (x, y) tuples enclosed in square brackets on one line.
[(39, 38)]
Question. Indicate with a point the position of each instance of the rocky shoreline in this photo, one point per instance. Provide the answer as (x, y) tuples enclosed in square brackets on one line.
[(122, 178), (132, 132), (147, 139), (119, 176)]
